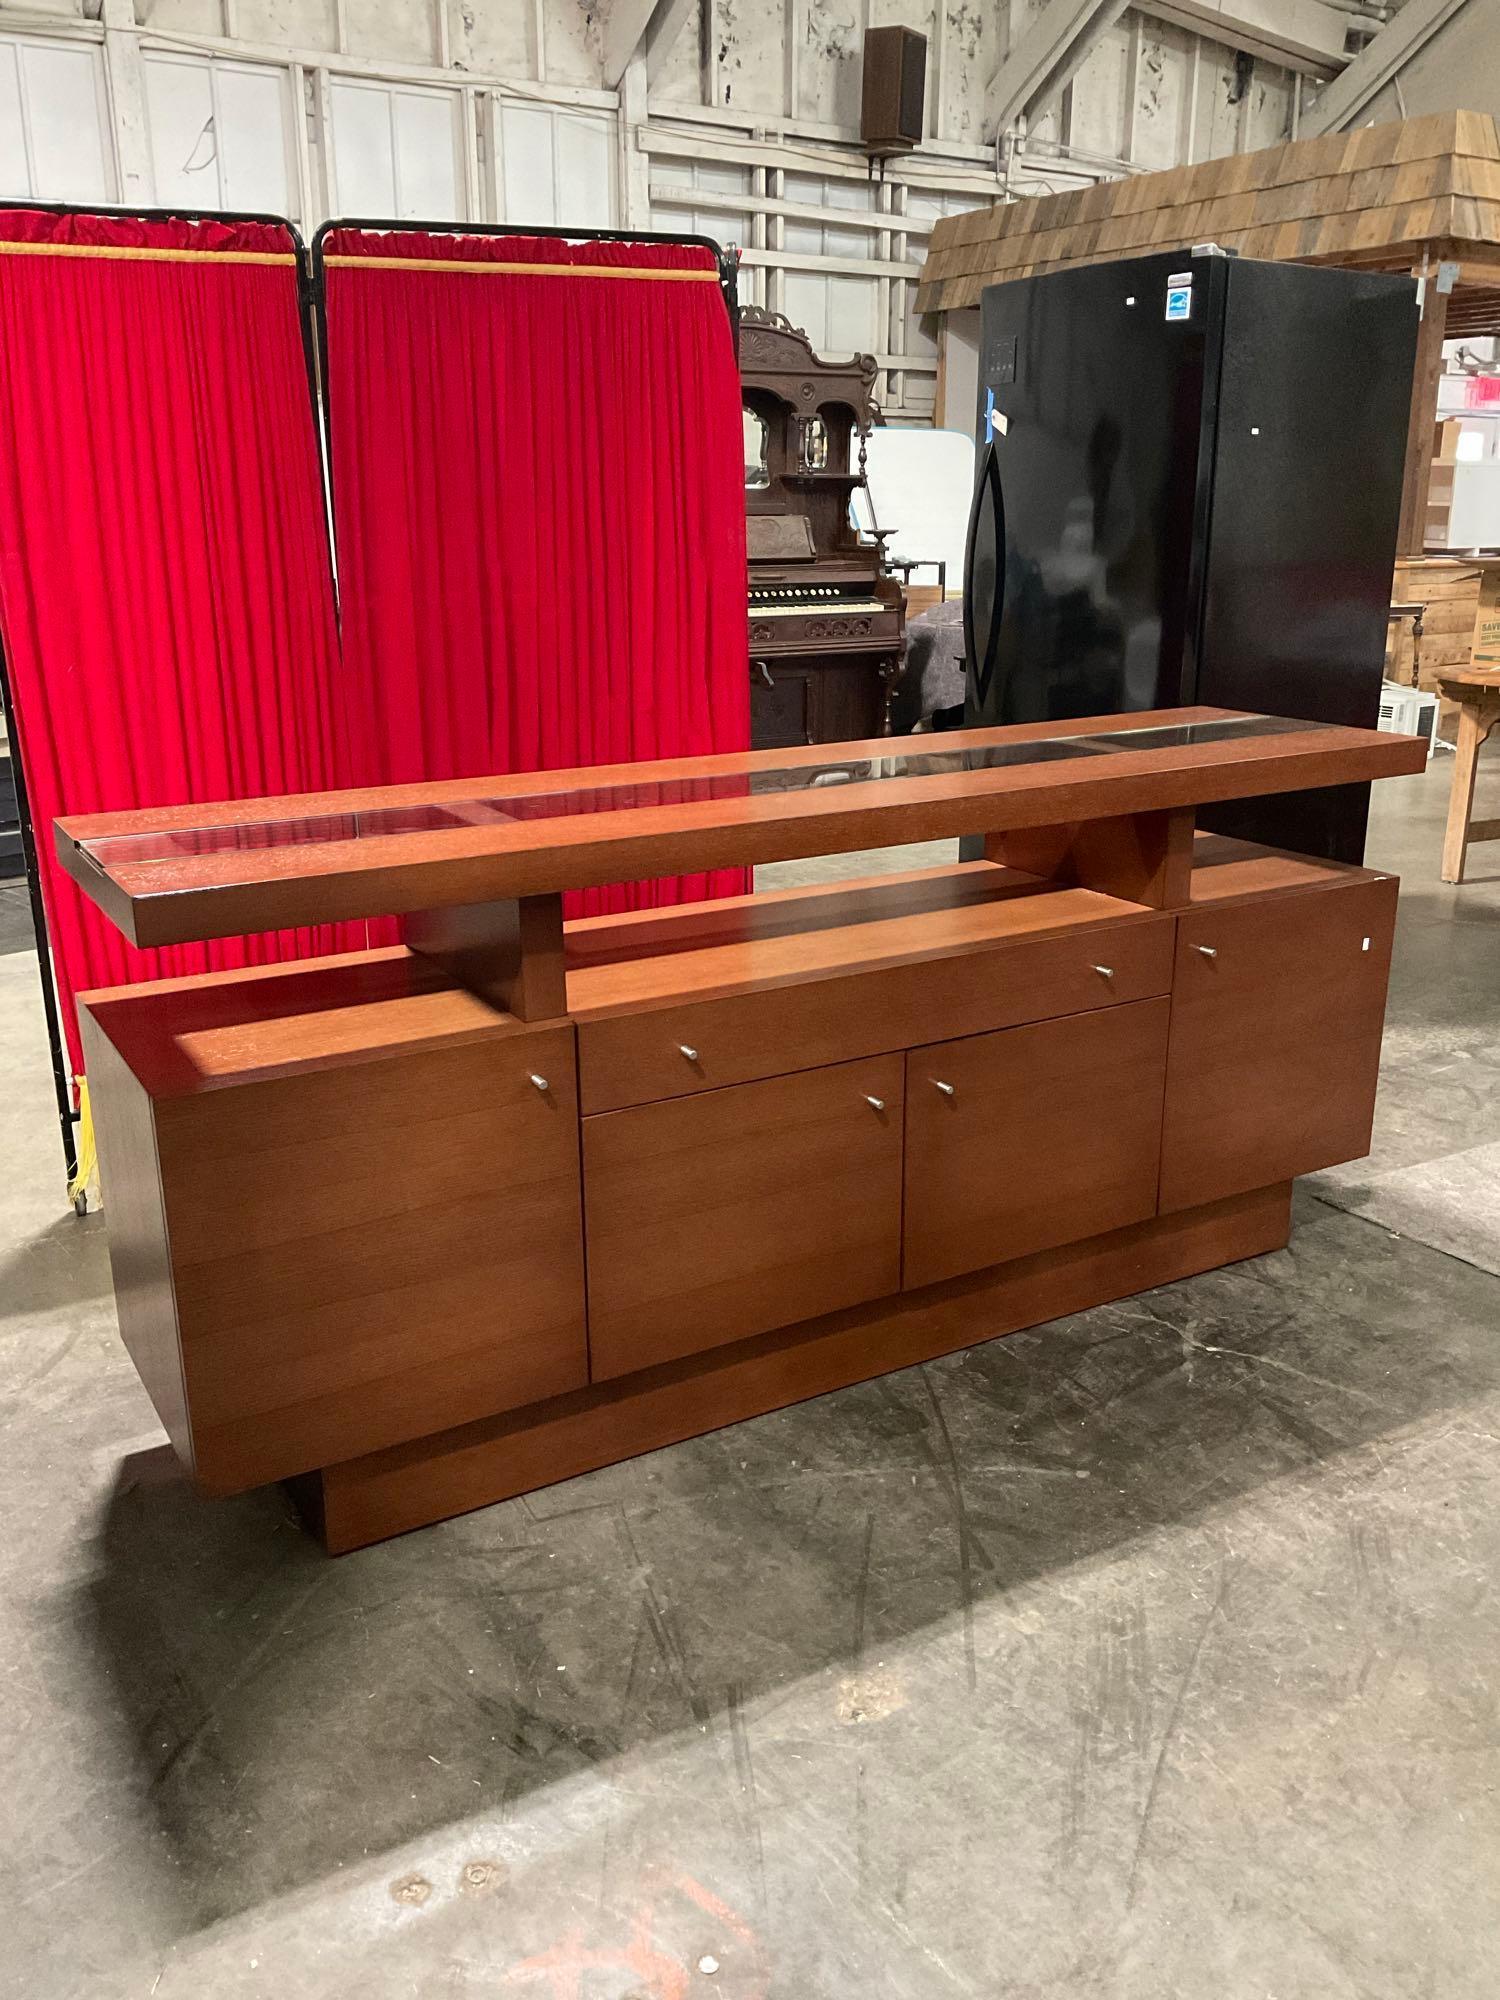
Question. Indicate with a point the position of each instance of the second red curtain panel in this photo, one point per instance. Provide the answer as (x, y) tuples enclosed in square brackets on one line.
[(538, 507)]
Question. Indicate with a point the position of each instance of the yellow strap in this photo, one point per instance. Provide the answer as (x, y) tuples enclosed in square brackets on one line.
[(88, 1151), (524, 270), (130, 253)]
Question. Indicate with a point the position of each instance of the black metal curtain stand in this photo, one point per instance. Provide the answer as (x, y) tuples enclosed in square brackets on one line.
[(317, 294), (67, 1115), (313, 323)]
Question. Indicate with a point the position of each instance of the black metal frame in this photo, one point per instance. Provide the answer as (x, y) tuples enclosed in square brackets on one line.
[(313, 323), (67, 1115), (317, 288)]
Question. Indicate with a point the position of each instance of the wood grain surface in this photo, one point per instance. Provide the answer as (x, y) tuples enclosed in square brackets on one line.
[(1228, 870), (509, 953), (389, 1492), (374, 1251), (268, 887), (727, 1214), (212, 1030), (797, 1002), (1277, 1010), (1146, 858), (140, 1259), (1038, 1136)]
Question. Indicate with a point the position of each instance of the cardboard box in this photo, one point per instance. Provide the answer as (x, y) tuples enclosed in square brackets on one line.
[(1486, 651)]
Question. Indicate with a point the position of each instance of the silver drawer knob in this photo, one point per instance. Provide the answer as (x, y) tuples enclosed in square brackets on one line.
[(1206, 949), (876, 1103), (540, 1081), (687, 1052), (946, 1088), (1105, 971)]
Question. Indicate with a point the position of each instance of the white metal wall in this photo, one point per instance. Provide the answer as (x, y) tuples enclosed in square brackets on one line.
[(743, 127)]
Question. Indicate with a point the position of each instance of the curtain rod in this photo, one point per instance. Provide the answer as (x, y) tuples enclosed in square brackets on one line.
[(691, 277), (140, 254)]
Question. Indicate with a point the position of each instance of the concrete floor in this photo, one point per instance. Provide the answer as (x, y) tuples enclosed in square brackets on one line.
[(1153, 1653)]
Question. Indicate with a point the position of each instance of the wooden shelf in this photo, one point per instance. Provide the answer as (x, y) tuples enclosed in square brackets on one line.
[(624, 822), (1225, 870), (703, 951), (180, 1037)]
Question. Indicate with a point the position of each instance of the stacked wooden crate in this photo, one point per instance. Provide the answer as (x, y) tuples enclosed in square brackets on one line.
[(1448, 591), (1376, 195)]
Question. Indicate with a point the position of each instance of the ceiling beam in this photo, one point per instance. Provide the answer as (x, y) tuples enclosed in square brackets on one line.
[(1304, 35), (1045, 58), (1347, 99), (641, 28)]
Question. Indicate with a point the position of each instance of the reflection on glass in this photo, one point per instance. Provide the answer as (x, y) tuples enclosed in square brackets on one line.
[(454, 815), (815, 445), (757, 472)]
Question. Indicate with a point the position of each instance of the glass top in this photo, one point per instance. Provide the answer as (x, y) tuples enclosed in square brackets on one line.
[(248, 836)]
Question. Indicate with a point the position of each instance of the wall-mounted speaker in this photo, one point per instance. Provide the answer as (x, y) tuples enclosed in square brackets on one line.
[(895, 86)]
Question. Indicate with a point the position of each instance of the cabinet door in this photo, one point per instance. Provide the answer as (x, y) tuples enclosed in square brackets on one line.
[(1277, 1011), (714, 1217), (779, 706), (369, 1252), (1032, 1137)]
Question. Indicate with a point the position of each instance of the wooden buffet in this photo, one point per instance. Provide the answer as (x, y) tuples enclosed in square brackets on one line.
[(421, 1228)]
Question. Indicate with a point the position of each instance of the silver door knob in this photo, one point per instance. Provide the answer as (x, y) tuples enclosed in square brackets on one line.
[(539, 1081), (1206, 949), (1105, 971), (946, 1088), (685, 1050), (876, 1103)]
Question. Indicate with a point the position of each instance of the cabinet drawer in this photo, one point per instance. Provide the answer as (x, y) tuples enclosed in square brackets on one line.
[(676, 1051), (735, 1211), (1277, 1012), (1038, 1136)]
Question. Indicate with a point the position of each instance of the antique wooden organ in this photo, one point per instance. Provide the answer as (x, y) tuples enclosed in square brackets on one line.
[(826, 622)]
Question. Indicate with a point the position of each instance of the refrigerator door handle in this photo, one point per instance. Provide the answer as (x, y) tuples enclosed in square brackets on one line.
[(988, 512)]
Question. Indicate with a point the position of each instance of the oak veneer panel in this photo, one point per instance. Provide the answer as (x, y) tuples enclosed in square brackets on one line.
[(389, 1492), (266, 888), (781, 1003), (398, 1247), (1146, 858), (205, 1031), (622, 959), (1051, 1134), (1275, 1045), (139, 1257), (720, 1216), (523, 784), (509, 953), (348, 1249), (1229, 870)]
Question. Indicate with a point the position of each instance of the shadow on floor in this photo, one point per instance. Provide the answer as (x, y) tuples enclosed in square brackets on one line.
[(288, 1714), (64, 1264), (16, 933)]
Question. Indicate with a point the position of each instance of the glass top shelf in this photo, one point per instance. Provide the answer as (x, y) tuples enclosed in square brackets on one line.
[(498, 810)]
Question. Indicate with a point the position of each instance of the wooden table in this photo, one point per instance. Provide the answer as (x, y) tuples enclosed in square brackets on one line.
[(421, 1228), (1477, 692)]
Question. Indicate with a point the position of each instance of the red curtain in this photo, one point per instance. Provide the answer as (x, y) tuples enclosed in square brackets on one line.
[(165, 598), (538, 488)]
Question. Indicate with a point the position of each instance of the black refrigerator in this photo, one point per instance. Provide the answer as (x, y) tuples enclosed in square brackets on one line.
[(1188, 487)]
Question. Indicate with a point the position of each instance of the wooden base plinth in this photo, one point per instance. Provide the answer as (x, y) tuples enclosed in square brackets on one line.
[(386, 1493)]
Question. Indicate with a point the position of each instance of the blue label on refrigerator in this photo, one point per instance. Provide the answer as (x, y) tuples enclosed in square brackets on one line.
[(1179, 301)]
